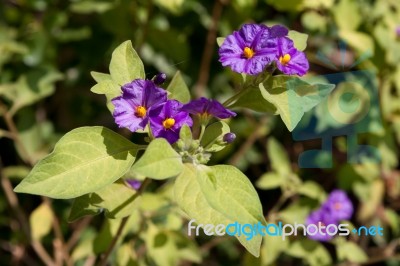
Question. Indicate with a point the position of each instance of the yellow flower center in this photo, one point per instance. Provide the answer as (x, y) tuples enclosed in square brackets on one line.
[(248, 52), (168, 123), (285, 59), (140, 111), (337, 206)]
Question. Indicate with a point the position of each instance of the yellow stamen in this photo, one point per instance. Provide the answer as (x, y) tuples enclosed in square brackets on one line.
[(285, 59), (140, 111), (168, 123), (248, 52)]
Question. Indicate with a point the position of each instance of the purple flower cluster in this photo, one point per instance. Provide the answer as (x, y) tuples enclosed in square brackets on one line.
[(337, 207), (142, 103), (251, 49)]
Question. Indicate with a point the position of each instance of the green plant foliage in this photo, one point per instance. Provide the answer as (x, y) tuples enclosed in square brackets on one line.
[(83, 161), (125, 64), (178, 89), (219, 195), (160, 161), (41, 221), (116, 199), (293, 97)]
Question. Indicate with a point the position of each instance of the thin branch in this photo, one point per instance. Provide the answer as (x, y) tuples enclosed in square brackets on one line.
[(77, 232), (22, 219), (249, 142), (124, 220), (204, 72)]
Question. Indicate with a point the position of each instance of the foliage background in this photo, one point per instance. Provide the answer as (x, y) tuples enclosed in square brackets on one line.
[(47, 50)]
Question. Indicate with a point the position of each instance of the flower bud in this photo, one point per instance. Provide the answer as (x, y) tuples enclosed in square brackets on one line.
[(159, 78), (229, 137), (133, 183)]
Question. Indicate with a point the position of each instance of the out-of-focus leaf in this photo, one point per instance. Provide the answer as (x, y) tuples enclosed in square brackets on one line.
[(83, 161), (299, 39), (40, 221), (279, 159), (362, 42), (310, 251), (347, 15), (312, 190), (15, 172), (351, 252), (30, 88), (289, 5), (88, 6), (270, 181), (271, 248)]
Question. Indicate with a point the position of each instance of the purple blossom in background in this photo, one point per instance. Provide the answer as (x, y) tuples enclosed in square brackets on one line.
[(132, 107), (339, 205), (205, 107), (167, 119), (289, 60), (133, 183), (324, 217), (249, 50)]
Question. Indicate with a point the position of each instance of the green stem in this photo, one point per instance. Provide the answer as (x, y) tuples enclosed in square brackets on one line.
[(202, 130)]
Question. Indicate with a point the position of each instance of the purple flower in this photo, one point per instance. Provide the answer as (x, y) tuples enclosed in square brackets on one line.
[(250, 49), (339, 205), (133, 183), (206, 107), (132, 107), (167, 119), (289, 60), (318, 222)]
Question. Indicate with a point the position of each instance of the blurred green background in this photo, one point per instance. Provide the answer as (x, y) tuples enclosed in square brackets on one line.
[(47, 50)]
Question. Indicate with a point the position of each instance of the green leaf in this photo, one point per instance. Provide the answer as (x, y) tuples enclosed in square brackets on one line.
[(30, 88), (360, 41), (178, 89), (299, 39), (118, 200), (351, 252), (253, 99), (288, 5), (314, 21), (311, 251), (40, 221), (220, 40), (279, 159), (83, 161), (312, 190), (212, 140), (99, 77), (293, 97), (271, 248), (82, 207), (269, 181), (227, 197), (125, 64), (110, 89), (159, 161), (350, 10)]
